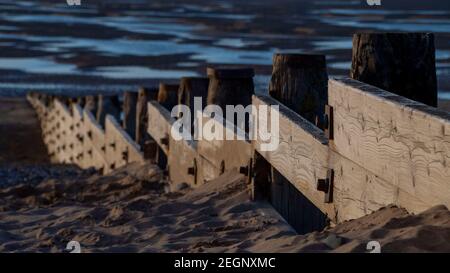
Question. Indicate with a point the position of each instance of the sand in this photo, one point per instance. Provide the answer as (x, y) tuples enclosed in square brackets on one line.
[(135, 210), (20, 138)]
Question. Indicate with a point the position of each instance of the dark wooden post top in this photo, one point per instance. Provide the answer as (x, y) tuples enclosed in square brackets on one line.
[(129, 113), (230, 86), (300, 81), (108, 105), (168, 95), (144, 96), (401, 63), (91, 103), (191, 87)]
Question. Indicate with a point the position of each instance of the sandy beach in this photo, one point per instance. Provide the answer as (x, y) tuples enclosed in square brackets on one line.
[(107, 47), (133, 210)]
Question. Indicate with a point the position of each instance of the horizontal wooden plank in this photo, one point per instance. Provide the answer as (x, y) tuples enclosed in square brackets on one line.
[(159, 124), (225, 154), (120, 148), (399, 140), (77, 145), (64, 122), (302, 154), (358, 192), (182, 156), (93, 142)]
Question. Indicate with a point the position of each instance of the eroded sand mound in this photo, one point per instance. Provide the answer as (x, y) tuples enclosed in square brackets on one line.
[(131, 210)]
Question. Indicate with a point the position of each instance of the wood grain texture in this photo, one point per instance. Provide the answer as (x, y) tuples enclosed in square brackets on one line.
[(120, 147), (129, 113), (77, 129), (225, 154), (302, 154), (399, 140), (94, 145), (182, 156), (159, 124), (63, 138)]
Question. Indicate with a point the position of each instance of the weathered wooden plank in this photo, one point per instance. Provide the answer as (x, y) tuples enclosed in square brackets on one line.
[(63, 125), (76, 130), (399, 140), (120, 147), (206, 170), (302, 154), (94, 144), (303, 157), (182, 158), (159, 124), (225, 154)]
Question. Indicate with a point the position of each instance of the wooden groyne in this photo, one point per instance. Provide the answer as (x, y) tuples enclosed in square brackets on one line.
[(346, 148)]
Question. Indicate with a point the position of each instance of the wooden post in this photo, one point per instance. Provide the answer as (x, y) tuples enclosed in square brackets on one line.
[(228, 86), (129, 113), (260, 183), (81, 101), (108, 105), (299, 81), (168, 95), (191, 87), (76, 100), (401, 63), (148, 145), (91, 103)]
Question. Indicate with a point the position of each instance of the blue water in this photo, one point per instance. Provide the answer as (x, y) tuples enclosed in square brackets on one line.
[(222, 32)]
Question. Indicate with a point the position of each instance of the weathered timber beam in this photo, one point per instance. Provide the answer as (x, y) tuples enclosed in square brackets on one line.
[(231, 153), (399, 140), (64, 121), (120, 147), (142, 138), (75, 143), (305, 155), (302, 153), (94, 142), (159, 124)]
